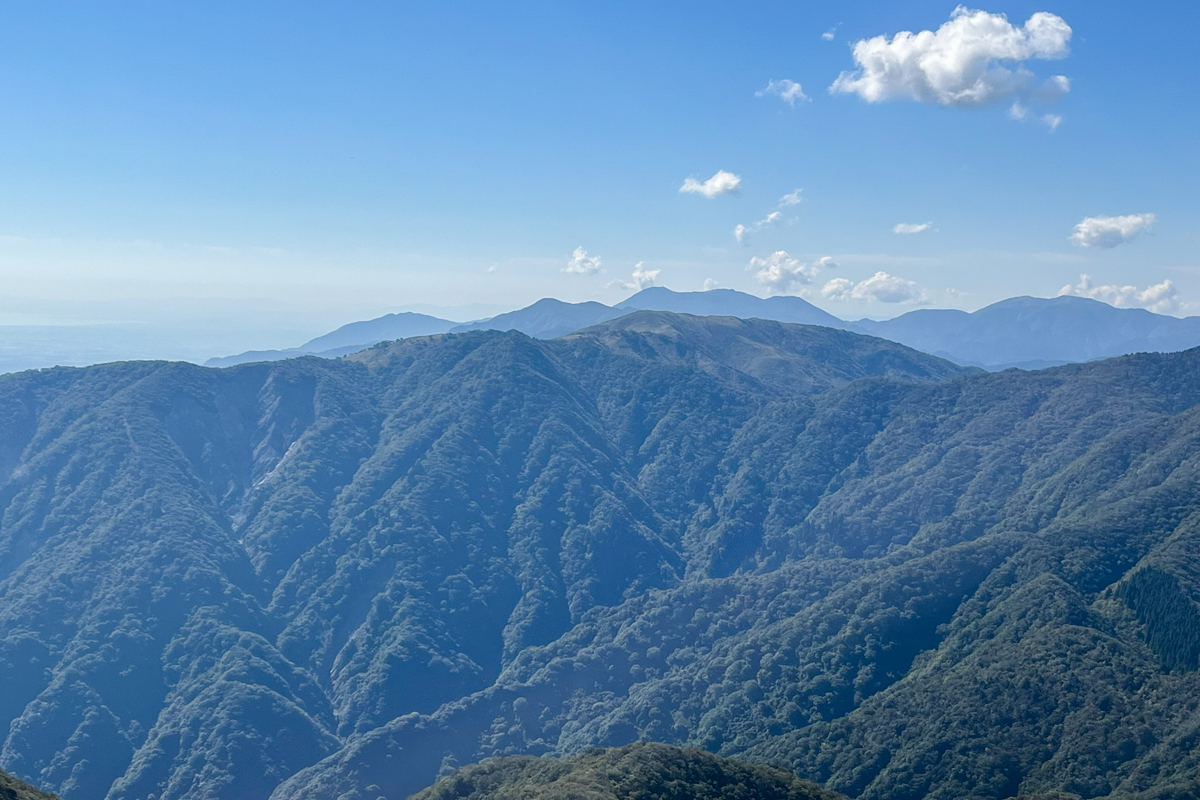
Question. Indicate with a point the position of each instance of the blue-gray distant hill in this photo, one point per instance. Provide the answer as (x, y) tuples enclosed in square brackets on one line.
[(347, 339), (547, 319), (1037, 332), (731, 303), (1027, 332)]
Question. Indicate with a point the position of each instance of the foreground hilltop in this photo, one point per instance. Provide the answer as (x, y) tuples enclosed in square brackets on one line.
[(13, 789), (644, 771), (342, 578)]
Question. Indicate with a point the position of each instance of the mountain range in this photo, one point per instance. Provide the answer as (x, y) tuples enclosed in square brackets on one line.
[(1026, 332), (897, 576)]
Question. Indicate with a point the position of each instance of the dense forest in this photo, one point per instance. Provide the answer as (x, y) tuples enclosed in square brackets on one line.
[(645, 771), (802, 547)]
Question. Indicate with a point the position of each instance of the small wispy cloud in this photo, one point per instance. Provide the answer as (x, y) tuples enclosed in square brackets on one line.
[(1020, 112), (789, 92), (710, 284), (829, 35), (1161, 298), (740, 232), (791, 199), (1108, 232), (909, 228), (580, 263), (722, 182)]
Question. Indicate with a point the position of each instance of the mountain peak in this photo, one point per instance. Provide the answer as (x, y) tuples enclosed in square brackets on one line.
[(730, 302)]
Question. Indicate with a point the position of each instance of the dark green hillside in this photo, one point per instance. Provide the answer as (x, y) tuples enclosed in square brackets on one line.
[(901, 590), (641, 771), (13, 789), (320, 578)]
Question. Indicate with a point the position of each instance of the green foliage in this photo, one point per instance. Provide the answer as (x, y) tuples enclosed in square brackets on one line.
[(634, 772), (805, 547), (1171, 618)]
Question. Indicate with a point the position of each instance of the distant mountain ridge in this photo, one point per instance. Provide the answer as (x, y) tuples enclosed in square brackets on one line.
[(349, 338), (732, 303), (1037, 331), (546, 319), (1026, 332)]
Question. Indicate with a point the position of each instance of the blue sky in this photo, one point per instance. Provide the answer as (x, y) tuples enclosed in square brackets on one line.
[(278, 169)]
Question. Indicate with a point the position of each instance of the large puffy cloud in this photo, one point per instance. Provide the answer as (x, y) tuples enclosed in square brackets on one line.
[(1108, 232), (721, 183), (1161, 298), (974, 59), (780, 273), (581, 263), (787, 91), (641, 278), (880, 287)]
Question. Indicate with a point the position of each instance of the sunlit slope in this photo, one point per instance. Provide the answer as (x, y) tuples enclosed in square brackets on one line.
[(13, 789)]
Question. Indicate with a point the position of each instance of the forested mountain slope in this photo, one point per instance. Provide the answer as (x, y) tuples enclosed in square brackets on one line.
[(320, 578)]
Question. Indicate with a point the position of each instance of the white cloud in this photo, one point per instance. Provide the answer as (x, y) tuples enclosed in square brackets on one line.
[(642, 278), (829, 34), (1108, 232), (779, 272), (492, 268), (880, 287), (1020, 112), (741, 231), (912, 227), (710, 284), (581, 263), (791, 198), (974, 59), (721, 183), (788, 91), (825, 262), (1161, 298)]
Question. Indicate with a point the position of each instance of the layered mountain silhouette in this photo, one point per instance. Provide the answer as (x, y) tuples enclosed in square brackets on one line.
[(1026, 332), (547, 319), (731, 303), (799, 546), (1036, 332), (347, 339)]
